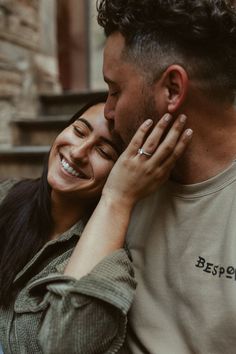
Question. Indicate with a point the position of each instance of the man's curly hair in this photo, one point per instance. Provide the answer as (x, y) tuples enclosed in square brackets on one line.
[(200, 35)]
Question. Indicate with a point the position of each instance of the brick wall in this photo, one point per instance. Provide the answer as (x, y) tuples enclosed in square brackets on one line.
[(28, 59)]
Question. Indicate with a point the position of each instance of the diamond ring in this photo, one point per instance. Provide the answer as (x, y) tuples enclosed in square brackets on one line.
[(142, 152)]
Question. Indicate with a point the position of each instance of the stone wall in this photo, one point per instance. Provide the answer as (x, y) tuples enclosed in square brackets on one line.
[(28, 59)]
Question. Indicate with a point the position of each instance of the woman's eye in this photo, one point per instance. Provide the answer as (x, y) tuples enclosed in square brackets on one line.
[(104, 153), (78, 131)]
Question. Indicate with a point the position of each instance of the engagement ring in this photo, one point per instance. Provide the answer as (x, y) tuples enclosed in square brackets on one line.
[(142, 152)]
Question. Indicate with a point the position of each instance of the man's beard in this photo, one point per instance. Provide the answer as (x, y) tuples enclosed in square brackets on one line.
[(147, 110)]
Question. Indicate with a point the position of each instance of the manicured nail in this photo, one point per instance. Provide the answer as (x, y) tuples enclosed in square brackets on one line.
[(189, 132), (149, 122), (183, 118), (167, 117)]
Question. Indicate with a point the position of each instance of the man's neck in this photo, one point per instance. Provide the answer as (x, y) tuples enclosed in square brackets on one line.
[(212, 149)]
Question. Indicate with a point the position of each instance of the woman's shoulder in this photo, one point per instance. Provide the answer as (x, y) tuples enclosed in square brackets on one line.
[(5, 186)]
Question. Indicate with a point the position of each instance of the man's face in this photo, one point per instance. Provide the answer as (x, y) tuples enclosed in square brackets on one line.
[(130, 101)]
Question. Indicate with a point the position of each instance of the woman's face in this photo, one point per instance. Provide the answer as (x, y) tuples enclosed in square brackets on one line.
[(82, 156)]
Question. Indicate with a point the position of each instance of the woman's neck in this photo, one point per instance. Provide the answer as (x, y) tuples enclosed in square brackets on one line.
[(65, 213)]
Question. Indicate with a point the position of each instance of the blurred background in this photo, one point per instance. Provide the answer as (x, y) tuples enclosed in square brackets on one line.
[(50, 65)]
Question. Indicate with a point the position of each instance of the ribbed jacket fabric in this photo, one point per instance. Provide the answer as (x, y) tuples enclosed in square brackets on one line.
[(55, 314)]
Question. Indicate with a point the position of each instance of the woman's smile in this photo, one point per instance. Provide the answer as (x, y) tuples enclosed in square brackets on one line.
[(70, 168), (82, 156)]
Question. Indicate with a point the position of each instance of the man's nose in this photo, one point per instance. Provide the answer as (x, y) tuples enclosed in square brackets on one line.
[(109, 110)]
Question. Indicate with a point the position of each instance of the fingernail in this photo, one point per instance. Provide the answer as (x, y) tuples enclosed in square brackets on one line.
[(167, 117), (189, 132), (183, 118), (149, 122)]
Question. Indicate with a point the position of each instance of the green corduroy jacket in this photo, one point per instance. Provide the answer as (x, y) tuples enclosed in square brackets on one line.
[(55, 314)]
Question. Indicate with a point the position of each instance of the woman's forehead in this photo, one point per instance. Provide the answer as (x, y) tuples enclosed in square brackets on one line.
[(100, 125), (94, 115), (97, 109)]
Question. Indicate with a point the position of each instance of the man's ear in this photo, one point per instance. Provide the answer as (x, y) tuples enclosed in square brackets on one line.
[(175, 81)]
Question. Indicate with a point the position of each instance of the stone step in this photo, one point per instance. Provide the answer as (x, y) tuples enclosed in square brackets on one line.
[(56, 110), (67, 103), (22, 161), (38, 131)]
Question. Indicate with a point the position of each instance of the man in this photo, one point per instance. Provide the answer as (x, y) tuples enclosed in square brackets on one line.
[(179, 56)]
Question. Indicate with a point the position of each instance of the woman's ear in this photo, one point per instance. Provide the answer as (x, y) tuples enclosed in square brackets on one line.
[(175, 80)]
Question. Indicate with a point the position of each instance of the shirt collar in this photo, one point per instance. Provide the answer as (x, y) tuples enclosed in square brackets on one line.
[(75, 231)]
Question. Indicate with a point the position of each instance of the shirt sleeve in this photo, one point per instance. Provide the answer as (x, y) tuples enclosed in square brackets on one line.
[(87, 315)]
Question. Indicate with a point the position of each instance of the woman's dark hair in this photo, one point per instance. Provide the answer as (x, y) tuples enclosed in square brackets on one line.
[(26, 223), (200, 35)]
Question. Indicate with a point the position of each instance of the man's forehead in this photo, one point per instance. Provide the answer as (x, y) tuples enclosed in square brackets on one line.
[(114, 46), (112, 65), (116, 67)]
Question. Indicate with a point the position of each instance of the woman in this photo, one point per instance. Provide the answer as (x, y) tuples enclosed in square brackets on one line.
[(66, 288)]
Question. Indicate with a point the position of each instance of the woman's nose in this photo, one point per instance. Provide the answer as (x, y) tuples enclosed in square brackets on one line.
[(80, 152)]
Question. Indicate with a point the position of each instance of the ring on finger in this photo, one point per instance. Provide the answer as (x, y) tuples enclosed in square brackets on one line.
[(142, 152)]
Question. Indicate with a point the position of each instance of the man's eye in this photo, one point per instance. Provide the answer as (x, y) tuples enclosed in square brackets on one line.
[(114, 93)]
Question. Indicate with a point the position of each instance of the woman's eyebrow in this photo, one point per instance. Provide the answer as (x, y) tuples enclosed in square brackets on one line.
[(86, 123)]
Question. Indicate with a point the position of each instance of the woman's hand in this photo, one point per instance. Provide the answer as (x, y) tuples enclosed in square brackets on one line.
[(133, 177), (136, 174)]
